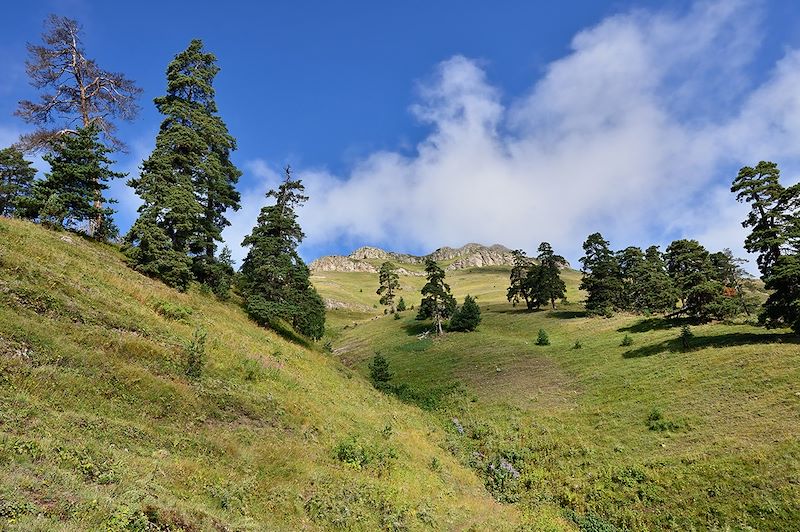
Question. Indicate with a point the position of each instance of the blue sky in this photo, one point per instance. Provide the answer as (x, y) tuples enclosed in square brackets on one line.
[(422, 124)]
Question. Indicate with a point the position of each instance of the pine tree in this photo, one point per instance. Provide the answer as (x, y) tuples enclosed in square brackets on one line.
[(389, 285), (401, 305), (438, 304), (467, 317), (519, 281), (16, 181), (601, 276), (151, 251), (274, 279), (75, 92), (631, 267), (654, 291), (727, 270), (761, 188), (67, 196), (689, 265), (548, 285), (187, 183), (379, 372), (775, 236)]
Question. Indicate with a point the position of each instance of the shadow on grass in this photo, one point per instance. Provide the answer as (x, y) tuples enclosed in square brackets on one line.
[(287, 332), (415, 328), (674, 345), (657, 324), (568, 314), (514, 310)]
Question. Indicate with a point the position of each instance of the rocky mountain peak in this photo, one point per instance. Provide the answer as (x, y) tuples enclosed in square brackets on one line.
[(471, 255)]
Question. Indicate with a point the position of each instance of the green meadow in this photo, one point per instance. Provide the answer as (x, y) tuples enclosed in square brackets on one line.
[(648, 436), (101, 429)]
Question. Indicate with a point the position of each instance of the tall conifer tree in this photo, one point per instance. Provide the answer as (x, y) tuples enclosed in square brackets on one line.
[(274, 279), (188, 182), (520, 280), (774, 222), (68, 195), (389, 284), (549, 286), (601, 275), (438, 304)]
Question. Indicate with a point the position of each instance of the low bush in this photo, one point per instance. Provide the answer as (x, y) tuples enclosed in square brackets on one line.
[(542, 338), (172, 311)]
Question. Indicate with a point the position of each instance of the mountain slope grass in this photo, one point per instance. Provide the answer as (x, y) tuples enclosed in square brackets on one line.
[(100, 429), (644, 436)]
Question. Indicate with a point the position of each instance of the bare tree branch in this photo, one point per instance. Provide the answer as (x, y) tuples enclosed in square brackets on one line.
[(75, 89)]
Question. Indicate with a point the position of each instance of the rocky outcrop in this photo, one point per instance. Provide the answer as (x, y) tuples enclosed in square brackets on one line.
[(371, 253), (481, 258), (336, 263), (447, 253), (469, 256)]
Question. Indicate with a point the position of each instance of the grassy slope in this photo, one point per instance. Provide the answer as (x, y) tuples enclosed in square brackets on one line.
[(575, 421), (99, 428)]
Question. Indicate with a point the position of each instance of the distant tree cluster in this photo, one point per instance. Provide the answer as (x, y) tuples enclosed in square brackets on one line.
[(187, 184), (685, 279)]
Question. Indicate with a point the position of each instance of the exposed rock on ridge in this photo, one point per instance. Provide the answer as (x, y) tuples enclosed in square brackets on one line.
[(337, 263), (469, 256)]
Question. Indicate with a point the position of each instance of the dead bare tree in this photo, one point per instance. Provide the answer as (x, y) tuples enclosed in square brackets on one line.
[(75, 91)]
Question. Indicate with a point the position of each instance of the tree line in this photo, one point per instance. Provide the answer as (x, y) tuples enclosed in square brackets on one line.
[(187, 184), (686, 279)]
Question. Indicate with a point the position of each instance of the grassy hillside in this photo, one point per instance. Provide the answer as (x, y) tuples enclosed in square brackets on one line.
[(646, 436), (101, 429)]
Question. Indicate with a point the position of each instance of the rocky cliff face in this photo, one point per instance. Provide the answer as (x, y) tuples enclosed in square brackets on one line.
[(337, 263), (482, 257), (468, 256), (371, 253)]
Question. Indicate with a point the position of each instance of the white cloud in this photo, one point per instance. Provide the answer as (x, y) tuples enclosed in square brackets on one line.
[(636, 133)]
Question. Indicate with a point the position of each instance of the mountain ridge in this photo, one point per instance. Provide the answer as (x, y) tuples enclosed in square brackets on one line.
[(471, 255)]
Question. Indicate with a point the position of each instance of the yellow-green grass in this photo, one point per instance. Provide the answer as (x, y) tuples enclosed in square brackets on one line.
[(724, 453), (101, 430)]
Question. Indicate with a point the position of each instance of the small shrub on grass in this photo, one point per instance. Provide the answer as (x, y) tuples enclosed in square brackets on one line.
[(358, 455), (196, 354), (657, 422), (542, 338), (172, 311), (590, 522), (686, 336), (467, 317), (401, 305), (578, 345), (397, 316), (627, 341), (253, 370)]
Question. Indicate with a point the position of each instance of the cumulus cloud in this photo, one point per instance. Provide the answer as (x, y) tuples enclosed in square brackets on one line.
[(636, 133)]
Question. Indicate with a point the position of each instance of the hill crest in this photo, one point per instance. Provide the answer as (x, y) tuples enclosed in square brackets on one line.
[(470, 255)]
